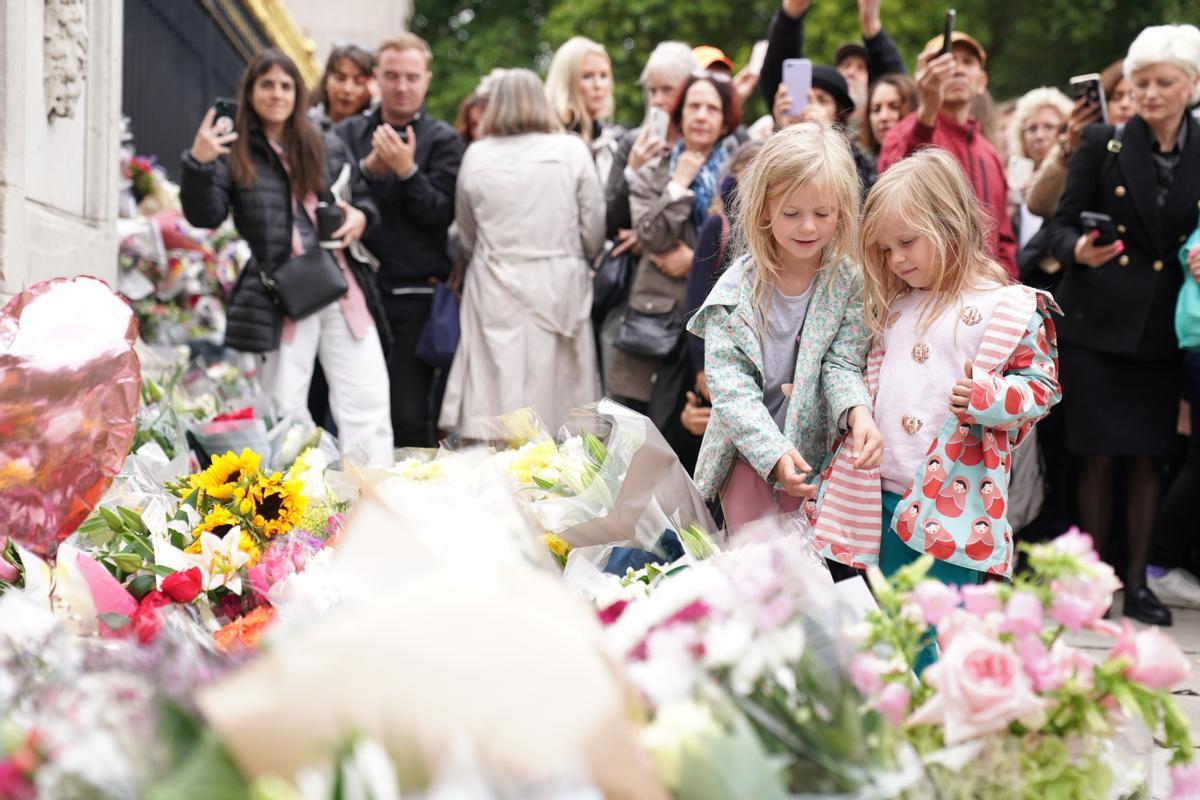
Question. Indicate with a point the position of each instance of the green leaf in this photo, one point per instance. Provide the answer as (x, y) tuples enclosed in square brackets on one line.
[(206, 772), (113, 620), (113, 519), (139, 545), (127, 562), (142, 585)]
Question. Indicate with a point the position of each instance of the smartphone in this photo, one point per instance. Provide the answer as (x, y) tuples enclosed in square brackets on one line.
[(1020, 170), (797, 77), (656, 123), (758, 54), (948, 31), (226, 109), (1095, 221), (1089, 87)]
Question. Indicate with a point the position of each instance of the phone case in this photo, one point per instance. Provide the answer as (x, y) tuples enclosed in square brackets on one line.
[(797, 77)]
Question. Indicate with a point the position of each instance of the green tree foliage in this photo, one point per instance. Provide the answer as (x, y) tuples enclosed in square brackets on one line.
[(1029, 42)]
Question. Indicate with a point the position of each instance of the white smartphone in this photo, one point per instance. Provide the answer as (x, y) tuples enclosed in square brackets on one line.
[(797, 77), (758, 54), (1090, 87), (1020, 170), (657, 122)]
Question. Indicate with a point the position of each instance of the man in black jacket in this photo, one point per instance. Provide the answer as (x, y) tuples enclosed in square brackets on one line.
[(411, 164)]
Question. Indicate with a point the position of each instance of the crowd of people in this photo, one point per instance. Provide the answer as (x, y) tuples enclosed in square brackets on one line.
[(850, 306)]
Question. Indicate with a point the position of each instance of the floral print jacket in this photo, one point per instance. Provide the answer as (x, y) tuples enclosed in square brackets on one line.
[(828, 378), (954, 509)]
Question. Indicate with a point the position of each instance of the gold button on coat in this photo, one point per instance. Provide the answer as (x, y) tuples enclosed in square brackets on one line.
[(1123, 261), (1158, 266), (1119, 191), (1121, 229)]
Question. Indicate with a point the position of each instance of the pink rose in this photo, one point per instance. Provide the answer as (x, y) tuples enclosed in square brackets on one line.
[(1076, 543), (893, 703), (1155, 661), (1081, 600), (1185, 781), (980, 687), (981, 599), (1022, 615), (8, 573), (935, 599), (1074, 663), (866, 673)]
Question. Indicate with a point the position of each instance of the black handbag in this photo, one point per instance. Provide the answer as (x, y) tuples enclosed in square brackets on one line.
[(610, 284), (650, 335), (306, 283)]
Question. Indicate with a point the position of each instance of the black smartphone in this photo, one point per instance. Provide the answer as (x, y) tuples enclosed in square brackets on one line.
[(948, 31), (1095, 221), (1091, 89), (225, 108)]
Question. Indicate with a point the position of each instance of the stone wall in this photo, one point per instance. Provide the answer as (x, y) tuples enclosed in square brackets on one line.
[(60, 93)]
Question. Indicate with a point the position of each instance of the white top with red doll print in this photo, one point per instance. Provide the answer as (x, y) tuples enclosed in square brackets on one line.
[(922, 364)]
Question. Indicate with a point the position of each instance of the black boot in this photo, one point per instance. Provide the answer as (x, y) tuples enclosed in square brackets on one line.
[(1144, 606)]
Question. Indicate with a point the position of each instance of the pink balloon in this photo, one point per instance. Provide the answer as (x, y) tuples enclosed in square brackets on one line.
[(69, 382)]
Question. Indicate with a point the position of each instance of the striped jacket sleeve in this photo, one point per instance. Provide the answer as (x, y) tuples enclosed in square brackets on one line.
[(1026, 387)]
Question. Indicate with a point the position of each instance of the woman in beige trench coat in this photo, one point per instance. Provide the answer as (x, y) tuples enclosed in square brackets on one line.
[(530, 211)]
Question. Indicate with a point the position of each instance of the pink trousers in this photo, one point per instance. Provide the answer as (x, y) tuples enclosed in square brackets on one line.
[(747, 497)]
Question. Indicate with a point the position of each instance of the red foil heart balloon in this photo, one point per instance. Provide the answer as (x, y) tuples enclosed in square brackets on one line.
[(69, 382)]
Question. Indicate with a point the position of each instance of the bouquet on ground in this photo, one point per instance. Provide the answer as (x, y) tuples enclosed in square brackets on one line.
[(739, 659), (1010, 709)]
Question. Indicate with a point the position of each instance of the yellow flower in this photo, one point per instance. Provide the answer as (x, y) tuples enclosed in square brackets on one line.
[(557, 545), (221, 479), (218, 521), (531, 458), (249, 545), (278, 504)]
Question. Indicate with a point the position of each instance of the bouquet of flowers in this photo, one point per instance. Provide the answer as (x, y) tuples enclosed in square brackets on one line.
[(1010, 709), (739, 660)]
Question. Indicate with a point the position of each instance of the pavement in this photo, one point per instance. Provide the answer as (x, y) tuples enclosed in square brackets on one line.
[(1186, 632)]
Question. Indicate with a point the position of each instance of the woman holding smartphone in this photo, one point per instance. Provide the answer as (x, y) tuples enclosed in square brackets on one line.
[(270, 172), (1119, 355)]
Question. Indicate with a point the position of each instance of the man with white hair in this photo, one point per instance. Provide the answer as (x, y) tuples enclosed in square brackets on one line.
[(1119, 354)]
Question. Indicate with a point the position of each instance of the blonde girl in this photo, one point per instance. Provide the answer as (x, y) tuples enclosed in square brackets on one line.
[(783, 328), (579, 87), (962, 365)]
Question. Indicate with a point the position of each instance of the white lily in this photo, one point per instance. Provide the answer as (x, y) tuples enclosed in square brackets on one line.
[(223, 560)]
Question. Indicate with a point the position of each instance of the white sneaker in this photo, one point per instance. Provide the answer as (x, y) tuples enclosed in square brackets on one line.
[(1178, 588)]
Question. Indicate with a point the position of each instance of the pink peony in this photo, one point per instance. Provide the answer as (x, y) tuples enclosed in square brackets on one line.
[(1185, 781), (1045, 673), (935, 599), (981, 599), (1022, 615), (867, 671), (980, 687), (1155, 661), (893, 703)]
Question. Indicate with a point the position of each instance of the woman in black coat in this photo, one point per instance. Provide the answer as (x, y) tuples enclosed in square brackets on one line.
[(271, 171), (1119, 356)]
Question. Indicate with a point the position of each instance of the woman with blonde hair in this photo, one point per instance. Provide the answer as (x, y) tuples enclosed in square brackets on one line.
[(1039, 115), (530, 213), (579, 87)]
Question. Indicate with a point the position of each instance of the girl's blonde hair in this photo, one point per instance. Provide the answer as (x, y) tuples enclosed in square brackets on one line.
[(562, 85), (799, 155), (929, 192)]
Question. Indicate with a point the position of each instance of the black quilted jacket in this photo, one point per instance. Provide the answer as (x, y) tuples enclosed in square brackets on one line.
[(263, 216)]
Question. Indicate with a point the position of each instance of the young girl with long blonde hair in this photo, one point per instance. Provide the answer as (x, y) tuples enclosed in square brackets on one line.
[(962, 365), (783, 328)]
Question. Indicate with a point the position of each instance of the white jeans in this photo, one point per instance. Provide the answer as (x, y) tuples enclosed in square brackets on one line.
[(358, 382)]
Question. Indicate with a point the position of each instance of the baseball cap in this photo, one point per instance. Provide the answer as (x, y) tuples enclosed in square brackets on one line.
[(958, 37), (707, 55), (847, 49)]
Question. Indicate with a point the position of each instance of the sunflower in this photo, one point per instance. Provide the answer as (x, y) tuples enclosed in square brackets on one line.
[(221, 479), (249, 545), (219, 521), (278, 504)]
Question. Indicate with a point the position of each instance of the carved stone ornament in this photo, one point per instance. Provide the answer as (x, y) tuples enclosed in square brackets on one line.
[(65, 45)]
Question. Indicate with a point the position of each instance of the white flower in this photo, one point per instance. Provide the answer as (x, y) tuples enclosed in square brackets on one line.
[(222, 560), (772, 654), (668, 672)]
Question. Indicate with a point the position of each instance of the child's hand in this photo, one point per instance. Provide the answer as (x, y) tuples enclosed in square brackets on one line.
[(865, 439), (960, 395), (790, 472)]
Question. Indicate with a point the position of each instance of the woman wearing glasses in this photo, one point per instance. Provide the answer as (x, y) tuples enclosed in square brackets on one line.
[(669, 199)]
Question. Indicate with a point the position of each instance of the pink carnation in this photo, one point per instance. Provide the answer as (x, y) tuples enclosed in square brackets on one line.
[(935, 599), (866, 673), (1022, 614), (1045, 673), (1076, 543), (1074, 663), (981, 599), (980, 687), (1081, 600), (893, 703)]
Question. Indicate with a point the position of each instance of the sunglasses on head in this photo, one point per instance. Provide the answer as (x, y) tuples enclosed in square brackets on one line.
[(712, 75)]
